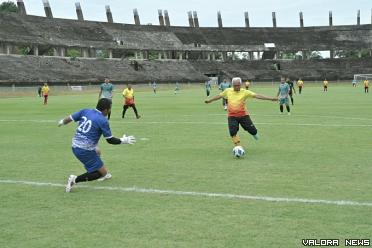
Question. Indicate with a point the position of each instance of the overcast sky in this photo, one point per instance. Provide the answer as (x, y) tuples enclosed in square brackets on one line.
[(287, 11)]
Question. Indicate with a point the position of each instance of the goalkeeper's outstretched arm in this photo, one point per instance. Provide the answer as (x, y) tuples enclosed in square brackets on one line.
[(213, 99)]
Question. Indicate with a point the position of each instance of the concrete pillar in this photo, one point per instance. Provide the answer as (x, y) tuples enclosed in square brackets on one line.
[(196, 20), (21, 7), (359, 53), (330, 19), (79, 12), (331, 54), (233, 55), (145, 54), (301, 20), (274, 19), (110, 54), (251, 56), (159, 55), (8, 48), (136, 17), (208, 56), (213, 56), (47, 9), (219, 19), (165, 55), (223, 56), (187, 55), (180, 56), (166, 17), (55, 52), (304, 55), (358, 17), (191, 20), (92, 52), (85, 52), (161, 18), (246, 18), (109, 14), (62, 51)]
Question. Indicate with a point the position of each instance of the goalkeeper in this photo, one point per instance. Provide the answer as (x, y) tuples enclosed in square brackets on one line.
[(92, 124)]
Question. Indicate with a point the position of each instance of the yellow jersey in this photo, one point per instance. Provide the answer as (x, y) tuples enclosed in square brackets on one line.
[(325, 83), (236, 101), (45, 90), (128, 95), (366, 83), (300, 83)]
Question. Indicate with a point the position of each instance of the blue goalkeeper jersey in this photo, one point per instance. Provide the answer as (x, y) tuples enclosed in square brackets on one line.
[(92, 124)]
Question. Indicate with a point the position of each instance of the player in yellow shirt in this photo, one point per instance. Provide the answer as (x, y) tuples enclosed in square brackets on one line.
[(366, 86), (237, 111), (45, 92), (128, 95), (300, 85), (325, 85)]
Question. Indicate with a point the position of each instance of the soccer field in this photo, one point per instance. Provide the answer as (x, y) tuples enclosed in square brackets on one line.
[(307, 177)]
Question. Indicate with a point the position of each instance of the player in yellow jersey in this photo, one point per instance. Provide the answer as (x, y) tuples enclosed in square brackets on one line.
[(237, 111), (300, 85), (325, 85), (45, 92), (366, 86), (128, 95)]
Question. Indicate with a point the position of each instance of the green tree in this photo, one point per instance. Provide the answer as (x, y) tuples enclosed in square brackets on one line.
[(8, 7), (73, 53), (352, 53)]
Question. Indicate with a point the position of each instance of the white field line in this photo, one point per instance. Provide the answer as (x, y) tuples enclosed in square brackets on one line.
[(197, 194), (210, 123)]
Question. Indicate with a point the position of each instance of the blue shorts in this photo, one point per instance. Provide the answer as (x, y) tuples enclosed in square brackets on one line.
[(90, 159), (283, 101)]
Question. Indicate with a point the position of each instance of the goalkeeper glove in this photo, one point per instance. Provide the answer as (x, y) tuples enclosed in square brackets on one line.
[(60, 123), (128, 139)]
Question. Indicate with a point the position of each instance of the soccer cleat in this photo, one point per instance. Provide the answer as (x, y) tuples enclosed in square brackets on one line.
[(70, 183), (138, 116), (105, 177)]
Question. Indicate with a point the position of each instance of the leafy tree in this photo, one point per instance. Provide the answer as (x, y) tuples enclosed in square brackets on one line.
[(73, 53), (8, 7), (352, 53)]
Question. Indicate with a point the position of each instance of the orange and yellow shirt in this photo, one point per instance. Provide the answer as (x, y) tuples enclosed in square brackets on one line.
[(45, 90), (128, 95), (366, 83), (236, 101)]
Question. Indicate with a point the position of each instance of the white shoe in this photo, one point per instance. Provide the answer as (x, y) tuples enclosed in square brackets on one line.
[(105, 177), (70, 183)]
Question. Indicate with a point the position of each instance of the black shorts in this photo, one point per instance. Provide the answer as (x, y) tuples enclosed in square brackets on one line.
[(244, 121)]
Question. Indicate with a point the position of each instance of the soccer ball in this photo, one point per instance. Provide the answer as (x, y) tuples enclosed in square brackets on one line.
[(238, 151)]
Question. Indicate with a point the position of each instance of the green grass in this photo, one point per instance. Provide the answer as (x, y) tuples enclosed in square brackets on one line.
[(322, 151)]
